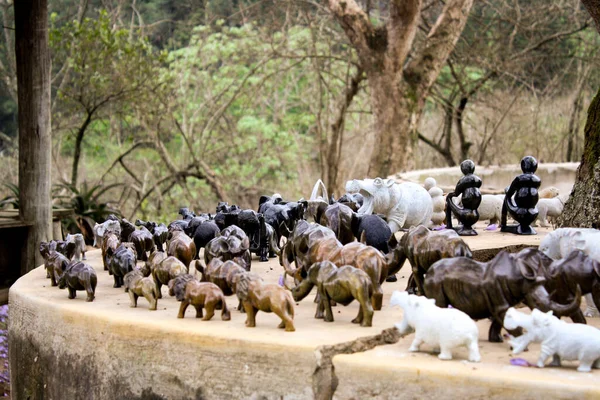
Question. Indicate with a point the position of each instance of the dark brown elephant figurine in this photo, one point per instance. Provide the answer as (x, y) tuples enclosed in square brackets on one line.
[(143, 241), (338, 218), (139, 286), (232, 243), (79, 276), (222, 274), (54, 262), (423, 247), (341, 285), (181, 246), (121, 262), (159, 232), (168, 269), (153, 261), (109, 246), (202, 295), (177, 285), (256, 295), (488, 290)]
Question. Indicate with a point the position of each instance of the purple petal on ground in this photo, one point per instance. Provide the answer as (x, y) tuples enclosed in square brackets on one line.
[(281, 280), (491, 227), (520, 362), (440, 228)]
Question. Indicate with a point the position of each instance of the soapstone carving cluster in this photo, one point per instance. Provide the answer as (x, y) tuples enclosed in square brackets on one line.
[(347, 249)]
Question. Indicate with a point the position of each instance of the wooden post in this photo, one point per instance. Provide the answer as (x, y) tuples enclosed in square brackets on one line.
[(33, 81)]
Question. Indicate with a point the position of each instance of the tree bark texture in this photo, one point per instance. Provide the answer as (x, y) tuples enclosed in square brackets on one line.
[(33, 81), (583, 207), (398, 91)]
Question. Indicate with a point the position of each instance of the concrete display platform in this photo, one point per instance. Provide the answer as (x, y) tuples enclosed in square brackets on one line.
[(70, 349)]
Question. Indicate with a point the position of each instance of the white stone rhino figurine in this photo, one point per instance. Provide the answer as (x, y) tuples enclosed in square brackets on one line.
[(77, 238), (559, 339), (560, 243), (446, 328), (404, 204), (101, 229)]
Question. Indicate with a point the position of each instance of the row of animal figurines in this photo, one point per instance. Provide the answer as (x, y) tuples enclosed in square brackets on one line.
[(551, 278)]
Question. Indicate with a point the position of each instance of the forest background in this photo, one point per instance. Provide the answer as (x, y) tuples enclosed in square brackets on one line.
[(158, 104)]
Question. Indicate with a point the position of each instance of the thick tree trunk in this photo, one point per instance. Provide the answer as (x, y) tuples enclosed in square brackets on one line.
[(33, 81), (583, 207)]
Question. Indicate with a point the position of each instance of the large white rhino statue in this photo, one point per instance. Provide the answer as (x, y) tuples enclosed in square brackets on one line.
[(404, 204)]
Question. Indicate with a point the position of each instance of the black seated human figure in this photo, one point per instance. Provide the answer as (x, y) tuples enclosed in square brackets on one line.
[(523, 207), (467, 186)]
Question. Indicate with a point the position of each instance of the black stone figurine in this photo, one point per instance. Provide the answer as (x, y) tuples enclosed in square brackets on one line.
[(522, 208), (467, 186)]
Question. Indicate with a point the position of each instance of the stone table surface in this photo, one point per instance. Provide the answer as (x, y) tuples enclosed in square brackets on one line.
[(494, 377)]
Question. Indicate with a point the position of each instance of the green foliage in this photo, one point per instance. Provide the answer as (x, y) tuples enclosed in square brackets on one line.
[(13, 198)]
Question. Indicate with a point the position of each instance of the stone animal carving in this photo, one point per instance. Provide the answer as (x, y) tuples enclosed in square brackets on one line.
[(438, 202), (446, 328), (522, 207), (107, 226), (257, 295), (559, 340), (222, 274), (79, 276), (282, 216), (204, 233), (468, 188), (338, 218), (484, 290), (376, 231), (79, 242), (109, 246), (423, 247), (202, 295), (550, 208), (549, 192), (121, 262), (404, 205), (127, 228), (561, 242), (230, 244), (181, 246), (341, 285), (159, 232), (139, 286), (153, 261), (177, 285), (143, 241), (170, 268), (54, 262), (490, 209)]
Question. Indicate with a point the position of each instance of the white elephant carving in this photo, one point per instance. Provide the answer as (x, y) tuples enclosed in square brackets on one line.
[(404, 204)]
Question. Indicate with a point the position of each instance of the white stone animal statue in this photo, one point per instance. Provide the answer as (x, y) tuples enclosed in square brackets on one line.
[(490, 209), (77, 238), (446, 328), (101, 229), (438, 202), (560, 340), (404, 204), (548, 193), (552, 207), (560, 243)]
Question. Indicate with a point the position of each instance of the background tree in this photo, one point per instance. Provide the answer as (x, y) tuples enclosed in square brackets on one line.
[(583, 207)]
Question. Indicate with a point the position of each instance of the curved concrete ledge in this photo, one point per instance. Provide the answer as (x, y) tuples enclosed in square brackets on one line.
[(70, 349)]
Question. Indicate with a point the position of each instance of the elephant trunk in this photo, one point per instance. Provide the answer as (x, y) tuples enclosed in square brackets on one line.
[(540, 299), (285, 259)]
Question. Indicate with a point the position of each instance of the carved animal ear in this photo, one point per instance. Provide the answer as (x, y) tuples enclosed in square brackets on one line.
[(263, 199), (579, 244), (389, 182), (526, 270)]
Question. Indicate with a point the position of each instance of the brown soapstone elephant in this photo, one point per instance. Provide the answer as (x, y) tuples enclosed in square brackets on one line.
[(143, 241), (257, 295), (181, 246), (203, 295), (232, 243), (423, 247), (341, 285), (54, 262), (137, 285), (222, 274), (338, 218), (168, 269), (109, 247), (488, 290), (79, 276)]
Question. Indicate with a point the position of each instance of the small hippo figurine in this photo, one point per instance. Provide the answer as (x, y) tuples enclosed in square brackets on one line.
[(79, 276), (447, 328), (137, 285), (559, 339)]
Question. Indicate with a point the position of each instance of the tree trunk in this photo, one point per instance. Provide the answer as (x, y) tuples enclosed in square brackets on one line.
[(33, 80), (78, 144), (583, 207)]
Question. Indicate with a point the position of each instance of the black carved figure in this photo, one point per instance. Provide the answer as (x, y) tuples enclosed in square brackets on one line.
[(488, 290), (159, 232), (122, 262), (79, 276), (376, 231), (231, 244), (352, 200), (127, 228), (523, 207), (195, 222), (338, 218), (204, 233), (467, 187), (282, 216), (143, 241)]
